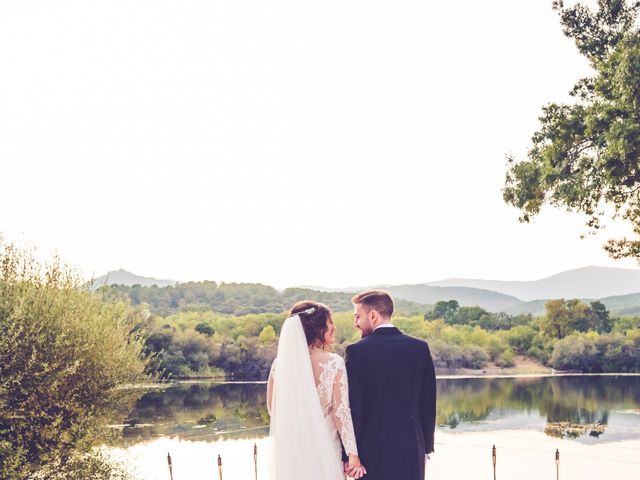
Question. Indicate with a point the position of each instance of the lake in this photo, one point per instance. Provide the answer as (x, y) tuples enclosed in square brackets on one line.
[(593, 420)]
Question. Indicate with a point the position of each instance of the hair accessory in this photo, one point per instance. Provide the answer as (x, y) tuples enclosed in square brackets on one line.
[(308, 311)]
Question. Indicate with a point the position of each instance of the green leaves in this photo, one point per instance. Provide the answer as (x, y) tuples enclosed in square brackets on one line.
[(63, 352), (596, 34), (587, 154)]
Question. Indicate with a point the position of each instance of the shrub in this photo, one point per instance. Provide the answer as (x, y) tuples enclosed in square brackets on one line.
[(506, 359), (205, 329), (520, 338), (63, 352), (267, 335)]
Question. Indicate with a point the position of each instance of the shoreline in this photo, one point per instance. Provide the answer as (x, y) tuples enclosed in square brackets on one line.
[(537, 375), (444, 376)]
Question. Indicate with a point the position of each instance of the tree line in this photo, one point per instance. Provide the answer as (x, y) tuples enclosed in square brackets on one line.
[(229, 298), (572, 335)]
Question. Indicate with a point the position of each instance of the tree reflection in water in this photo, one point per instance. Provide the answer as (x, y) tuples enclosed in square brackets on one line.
[(573, 406), (200, 411)]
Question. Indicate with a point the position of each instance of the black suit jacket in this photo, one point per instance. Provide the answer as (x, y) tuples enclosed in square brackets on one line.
[(392, 391)]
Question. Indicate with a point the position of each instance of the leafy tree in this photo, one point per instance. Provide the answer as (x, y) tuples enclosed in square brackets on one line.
[(582, 318), (520, 338), (566, 316), (470, 315), (267, 335), (453, 314), (205, 329), (624, 324), (445, 310), (63, 352), (601, 320), (557, 322), (586, 154)]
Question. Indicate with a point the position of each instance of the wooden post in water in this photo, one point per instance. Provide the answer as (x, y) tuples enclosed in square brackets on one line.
[(557, 464), (255, 459), (220, 466), (170, 466), (493, 457)]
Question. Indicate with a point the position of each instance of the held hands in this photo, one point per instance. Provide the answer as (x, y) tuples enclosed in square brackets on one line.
[(354, 468)]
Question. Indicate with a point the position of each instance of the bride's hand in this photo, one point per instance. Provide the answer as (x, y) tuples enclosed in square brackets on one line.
[(354, 468)]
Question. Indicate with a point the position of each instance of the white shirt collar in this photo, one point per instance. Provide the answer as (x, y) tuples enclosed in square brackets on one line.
[(384, 325)]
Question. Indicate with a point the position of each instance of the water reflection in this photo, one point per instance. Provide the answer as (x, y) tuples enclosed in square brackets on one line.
[(568, 407), (200, 411), (572, 406)]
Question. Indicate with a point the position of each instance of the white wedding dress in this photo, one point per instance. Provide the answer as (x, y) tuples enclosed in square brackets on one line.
[(308, 400)]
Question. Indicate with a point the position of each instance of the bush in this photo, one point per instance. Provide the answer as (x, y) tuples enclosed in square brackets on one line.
[(62, 353), (474, 357), (520, 338), (267, 335), (541, 348), (619, 353), (597, 353), (575, 353), (453, 356), (205, 329), (506, 359)]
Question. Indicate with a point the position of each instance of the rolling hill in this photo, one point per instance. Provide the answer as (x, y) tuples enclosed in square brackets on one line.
[(491, 301), (587, 282), (617, 288), (123, 277)]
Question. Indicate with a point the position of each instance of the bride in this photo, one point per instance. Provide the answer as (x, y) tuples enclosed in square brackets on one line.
[(308, 400)]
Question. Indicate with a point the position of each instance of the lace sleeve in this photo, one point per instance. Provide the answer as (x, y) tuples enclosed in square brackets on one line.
[(270, 383), (341, 411)]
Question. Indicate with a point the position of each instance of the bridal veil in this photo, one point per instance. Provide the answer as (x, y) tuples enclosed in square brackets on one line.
[(302, 445)]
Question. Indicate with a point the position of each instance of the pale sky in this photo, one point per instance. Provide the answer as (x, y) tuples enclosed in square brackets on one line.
[(328, 143)]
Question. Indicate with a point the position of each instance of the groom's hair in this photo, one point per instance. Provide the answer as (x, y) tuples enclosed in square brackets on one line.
[(377, 300)]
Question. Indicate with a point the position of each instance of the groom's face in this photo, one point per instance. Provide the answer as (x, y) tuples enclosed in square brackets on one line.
[(362, 319)]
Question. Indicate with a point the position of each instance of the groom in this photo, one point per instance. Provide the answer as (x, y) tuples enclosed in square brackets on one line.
[(392, 391)]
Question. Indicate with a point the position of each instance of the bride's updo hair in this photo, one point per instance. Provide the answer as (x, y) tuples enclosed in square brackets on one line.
[(314, 324)]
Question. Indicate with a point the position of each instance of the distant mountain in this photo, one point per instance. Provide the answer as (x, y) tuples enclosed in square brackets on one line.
[(122, 277), (534, 307), (623, 304), (617, 305), (497, 302), (617, 288), (345, 289), (429, 295), (491, 301), (587, 282)]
